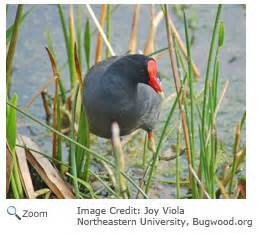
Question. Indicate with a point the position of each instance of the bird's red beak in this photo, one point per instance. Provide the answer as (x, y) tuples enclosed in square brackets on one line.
[(154, 81)]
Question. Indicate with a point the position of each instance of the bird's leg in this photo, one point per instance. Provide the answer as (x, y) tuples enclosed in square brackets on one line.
[(151, 142)]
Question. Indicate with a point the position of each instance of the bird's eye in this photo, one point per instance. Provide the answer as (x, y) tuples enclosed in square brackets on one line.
[(159, 81)]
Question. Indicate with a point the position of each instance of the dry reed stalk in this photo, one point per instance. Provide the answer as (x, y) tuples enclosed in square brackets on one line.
[(110, 173), (133, 37), (46, 171), (130, 137), (45, 105), (99, 37), (221, 97), (120, 159), (241, 188), (237, 143), (155, 20), (239, 155), (225, 88), (182, 47), (71, 25), (178, 87), (72, 41), (222, 189), (102, 33), (9, 166), (12, 46), (168, 99), (24, 170), (199, 182), (78, 69), (235, 151), (149, 44), (41, 192), (44, 87), (56, 80)]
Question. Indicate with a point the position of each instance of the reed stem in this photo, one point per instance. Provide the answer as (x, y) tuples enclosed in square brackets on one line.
[(119, 160), (177, 85), (12, 46)]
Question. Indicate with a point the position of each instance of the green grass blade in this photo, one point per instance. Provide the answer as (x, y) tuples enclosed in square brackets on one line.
[(192, 114), (178, 165), (14, 188), (11, 141), (87, 43), (9, 31), (11, 124), (105, 184), (60, 81), (72, 146), (12, 46), (221, 34), (64, 27), (157, 52), (84, 158), (68, 44), (59, 140), (84, 183), (161, 140), (78, 31), (212, 45), (144, 156), (242, 122)]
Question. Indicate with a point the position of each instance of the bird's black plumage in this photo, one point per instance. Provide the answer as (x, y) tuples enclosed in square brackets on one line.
[(117, 89)]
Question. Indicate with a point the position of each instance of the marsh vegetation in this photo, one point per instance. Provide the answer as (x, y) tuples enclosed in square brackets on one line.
[(200, 138)]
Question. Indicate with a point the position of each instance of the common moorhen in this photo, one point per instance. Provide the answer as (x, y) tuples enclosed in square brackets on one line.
[(123, 89)]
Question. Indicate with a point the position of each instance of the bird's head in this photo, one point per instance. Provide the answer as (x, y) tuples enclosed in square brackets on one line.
[(144, 70)]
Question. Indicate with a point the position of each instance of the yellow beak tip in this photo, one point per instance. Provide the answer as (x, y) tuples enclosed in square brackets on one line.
[(162, 95)]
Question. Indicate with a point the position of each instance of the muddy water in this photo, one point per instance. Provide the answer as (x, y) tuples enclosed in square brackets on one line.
[(32, 69)]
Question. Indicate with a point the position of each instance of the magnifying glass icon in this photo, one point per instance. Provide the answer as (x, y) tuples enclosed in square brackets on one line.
[(11, 210)]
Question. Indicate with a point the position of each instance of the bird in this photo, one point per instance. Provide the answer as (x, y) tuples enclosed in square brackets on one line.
[(123, 89)]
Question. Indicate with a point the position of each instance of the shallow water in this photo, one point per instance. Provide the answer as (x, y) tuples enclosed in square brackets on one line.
[(32, 68)]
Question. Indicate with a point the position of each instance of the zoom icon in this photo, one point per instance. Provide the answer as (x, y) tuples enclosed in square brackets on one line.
[(11, 210)]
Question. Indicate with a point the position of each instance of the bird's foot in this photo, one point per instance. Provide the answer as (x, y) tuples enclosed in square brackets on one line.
[(151, 142)]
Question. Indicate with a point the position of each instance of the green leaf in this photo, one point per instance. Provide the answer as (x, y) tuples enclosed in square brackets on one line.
[(11, 139), (78, 31), (64, 27), (87, 43), (83, 158), (11, 123), (12, 46), (9, 31), (73, 147), (69, 48), (84, 183), (221, 34)]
